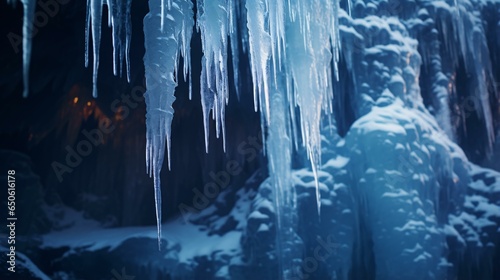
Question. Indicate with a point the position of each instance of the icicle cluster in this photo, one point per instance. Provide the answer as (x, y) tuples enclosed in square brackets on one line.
[(213, 22), (311, 38), (463, 42), (299, 41), (293, 48), (286, 69), (119, 21)]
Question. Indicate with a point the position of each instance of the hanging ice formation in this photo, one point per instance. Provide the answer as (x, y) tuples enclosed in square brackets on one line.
[(299, 76), (287, 71), (293, 49), (464, 43), (28, 16), (302, 78), (163, 49), (119, 21)]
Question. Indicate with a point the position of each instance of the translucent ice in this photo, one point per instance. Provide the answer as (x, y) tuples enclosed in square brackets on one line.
[(213, 21), (163, 50), (119, 21), (29, 13)]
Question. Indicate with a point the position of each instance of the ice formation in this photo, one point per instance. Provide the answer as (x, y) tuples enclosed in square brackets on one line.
[(295, 51), (163, 50), (292, 48), (28, 17), (119, 21)]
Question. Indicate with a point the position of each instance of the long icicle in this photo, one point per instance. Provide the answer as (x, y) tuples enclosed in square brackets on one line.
[(163, 50), (29, 13)]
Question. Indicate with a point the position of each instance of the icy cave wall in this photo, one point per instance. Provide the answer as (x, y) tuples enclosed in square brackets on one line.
[(403, 200)]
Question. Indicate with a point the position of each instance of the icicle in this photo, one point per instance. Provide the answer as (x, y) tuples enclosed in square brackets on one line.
[(276, 32), (128, 37), (260, 51), (122, 32), (87, 34), (310, 39), (95, 22), (157, 188), (119, 27), (110, 4), (233, 10), (207, 102), (213, 21), (114, 17), (279, 151), (29, 13), (335, 37), (163, 50)]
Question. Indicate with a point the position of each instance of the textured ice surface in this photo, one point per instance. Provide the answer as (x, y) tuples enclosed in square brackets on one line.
[(163, 50)]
